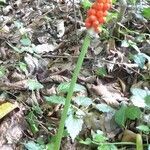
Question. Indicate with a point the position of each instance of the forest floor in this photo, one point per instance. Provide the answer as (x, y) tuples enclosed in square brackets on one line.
[(40, 43)]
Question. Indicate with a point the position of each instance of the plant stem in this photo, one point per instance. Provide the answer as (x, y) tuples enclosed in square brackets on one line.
[(84, 49)]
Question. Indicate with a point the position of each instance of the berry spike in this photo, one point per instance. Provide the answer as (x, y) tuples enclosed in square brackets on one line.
[(96, 15)]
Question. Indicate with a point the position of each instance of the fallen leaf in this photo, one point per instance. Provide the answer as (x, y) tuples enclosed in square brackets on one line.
[(129, 136), (6, 108), (42, 48)]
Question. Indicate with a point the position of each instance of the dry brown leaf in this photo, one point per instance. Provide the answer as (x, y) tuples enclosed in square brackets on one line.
[(129, 136), (109, 94)]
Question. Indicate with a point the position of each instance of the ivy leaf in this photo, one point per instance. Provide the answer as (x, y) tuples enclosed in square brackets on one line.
[(73, 125), (55, 99), (64, 87), (34, 84), (120, 116), (133, 112), (83, 101)]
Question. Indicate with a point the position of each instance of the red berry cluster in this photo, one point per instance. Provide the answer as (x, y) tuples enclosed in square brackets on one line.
[(96, 15)]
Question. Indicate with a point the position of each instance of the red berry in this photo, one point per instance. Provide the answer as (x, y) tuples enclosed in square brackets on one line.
[(99, 1), (105, 13), (106, 6), (99, 14), (91, 12), (99, 6), (95, 24), (94, 6), (101, 20), (92, 18), (88, 23)]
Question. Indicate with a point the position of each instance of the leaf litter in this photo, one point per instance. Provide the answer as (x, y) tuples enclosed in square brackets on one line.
[(40, 42)]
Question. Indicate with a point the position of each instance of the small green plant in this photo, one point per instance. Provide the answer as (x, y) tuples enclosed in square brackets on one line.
[(99, 140)]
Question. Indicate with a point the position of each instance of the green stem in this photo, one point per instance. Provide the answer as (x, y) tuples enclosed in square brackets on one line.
[(84, 48)]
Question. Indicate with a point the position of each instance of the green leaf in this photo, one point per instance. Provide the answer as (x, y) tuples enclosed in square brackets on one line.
[(104, 108), (143, 128), (31, 145), (140, 60), (34, 85), (23, 67), (149, 147), (99, 137), (125, 43), (146, 13), (120, 116), (133, 2), (88, 141), (2, 1), (133, 45), (102, 72), (25, 41), (111, 16), (86, 4), (55, 99), (73, 125), (147, 100), (107, 147), (32, 120), (83, 101), (138, 97), (2, 71), (133, 112), (50, 146), (64, 88)]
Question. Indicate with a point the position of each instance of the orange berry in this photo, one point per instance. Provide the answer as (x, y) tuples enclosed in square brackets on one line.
[(105, 13), (88, 23), (106, 6), (91, 12), (99, 14), (92, 18), (101, 20), (104, 1), (99, 1), (94, 6), (95, 24), (99, 6)]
